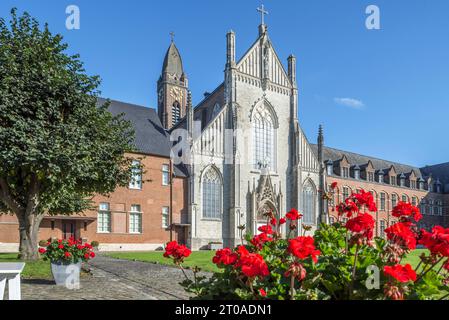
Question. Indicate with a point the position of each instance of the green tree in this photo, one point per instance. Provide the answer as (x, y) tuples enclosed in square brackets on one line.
[(57, 147)]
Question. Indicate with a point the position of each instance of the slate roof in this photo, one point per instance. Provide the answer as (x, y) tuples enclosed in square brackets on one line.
[(440, 171), (172, 61), (150, 136), (356, 159)]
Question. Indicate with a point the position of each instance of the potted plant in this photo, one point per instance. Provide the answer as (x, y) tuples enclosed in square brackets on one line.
[(66, 257)]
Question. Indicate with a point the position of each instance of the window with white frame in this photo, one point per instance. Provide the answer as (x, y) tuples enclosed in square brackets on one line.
[(382, 228), (394, 200), (165, 217), (104, 218), (136, 175), (212, 194), (308, 202), (165, 174), (264, 135), (371, 176), (393, 180), (345, 193), (382, 201), (135, 219), (345, 172)]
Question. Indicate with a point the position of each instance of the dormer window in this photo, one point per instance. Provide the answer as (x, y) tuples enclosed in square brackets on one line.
[(413, 184), (345, 172), (330, 167), (371, 176), (430, 187), (402, 180), (393, 181), (381, 177), (357, 172), (421, 184)]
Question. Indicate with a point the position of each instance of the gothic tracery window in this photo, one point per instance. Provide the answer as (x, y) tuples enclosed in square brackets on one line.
[(212, 194), (308, 203), (264, 139)]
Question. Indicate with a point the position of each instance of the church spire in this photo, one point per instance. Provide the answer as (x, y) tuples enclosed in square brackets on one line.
[(172, 87)]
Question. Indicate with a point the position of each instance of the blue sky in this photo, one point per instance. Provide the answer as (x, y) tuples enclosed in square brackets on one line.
[(382, 93)]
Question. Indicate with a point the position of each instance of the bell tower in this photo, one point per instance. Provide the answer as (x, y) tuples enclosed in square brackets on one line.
[(172, 88)]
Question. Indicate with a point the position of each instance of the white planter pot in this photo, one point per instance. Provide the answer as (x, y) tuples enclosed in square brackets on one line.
[(67, 275), (216, 246)]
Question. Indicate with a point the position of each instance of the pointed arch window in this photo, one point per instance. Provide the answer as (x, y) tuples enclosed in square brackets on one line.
[(176, 112), (212, 194), (264, 135), (308, 203)]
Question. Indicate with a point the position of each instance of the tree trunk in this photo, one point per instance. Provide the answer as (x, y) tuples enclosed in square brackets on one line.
[(29, 232)]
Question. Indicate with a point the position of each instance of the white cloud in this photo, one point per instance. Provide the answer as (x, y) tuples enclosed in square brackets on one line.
[(350, 102)]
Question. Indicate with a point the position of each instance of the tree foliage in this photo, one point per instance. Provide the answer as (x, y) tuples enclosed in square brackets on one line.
[(57, 146)]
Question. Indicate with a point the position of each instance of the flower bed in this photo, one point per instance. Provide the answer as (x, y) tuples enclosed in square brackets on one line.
[(343, 261)]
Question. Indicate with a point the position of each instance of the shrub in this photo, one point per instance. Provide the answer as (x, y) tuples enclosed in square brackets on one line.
[(95, 244), (342, 261)]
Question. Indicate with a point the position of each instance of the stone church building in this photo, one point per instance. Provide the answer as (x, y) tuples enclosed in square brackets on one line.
[(212, 171)]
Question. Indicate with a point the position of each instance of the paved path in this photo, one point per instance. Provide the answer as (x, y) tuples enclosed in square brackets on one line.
[(113, 279)]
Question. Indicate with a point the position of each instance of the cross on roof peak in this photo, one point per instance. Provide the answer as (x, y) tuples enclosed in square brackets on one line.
[(172, 36), (263, 12)]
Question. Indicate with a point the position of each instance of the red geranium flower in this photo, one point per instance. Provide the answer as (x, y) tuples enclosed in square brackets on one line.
[(92, 254), (266, 229), (282, 221), (67, 254), (259, 240), (178, 252), (334, 185), (273, 221), (404, 209), (61, 246), (293, 215), (251, 264), (303, 247), (363, 224), (401, 234), (401, 273), (436, 241), (86, 256), (262, 292), (225, 257), (42, 250)]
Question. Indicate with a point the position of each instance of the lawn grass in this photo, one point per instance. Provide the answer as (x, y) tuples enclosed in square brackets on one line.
[(202, 259), (33, 270)]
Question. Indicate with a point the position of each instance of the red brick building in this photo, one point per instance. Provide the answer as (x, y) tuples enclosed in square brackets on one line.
[(389, 182)]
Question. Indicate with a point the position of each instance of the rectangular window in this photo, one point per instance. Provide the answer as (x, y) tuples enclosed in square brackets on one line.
[(393, 181), (370, 177), (413, 184), (104, 218), (382, 228), (136, 176), (345, 193), (165, 174), (414, 201), (381, 178), (135, 219), (165, 217), (394, 200), (382, 201), (345, 172), (404, 198)]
